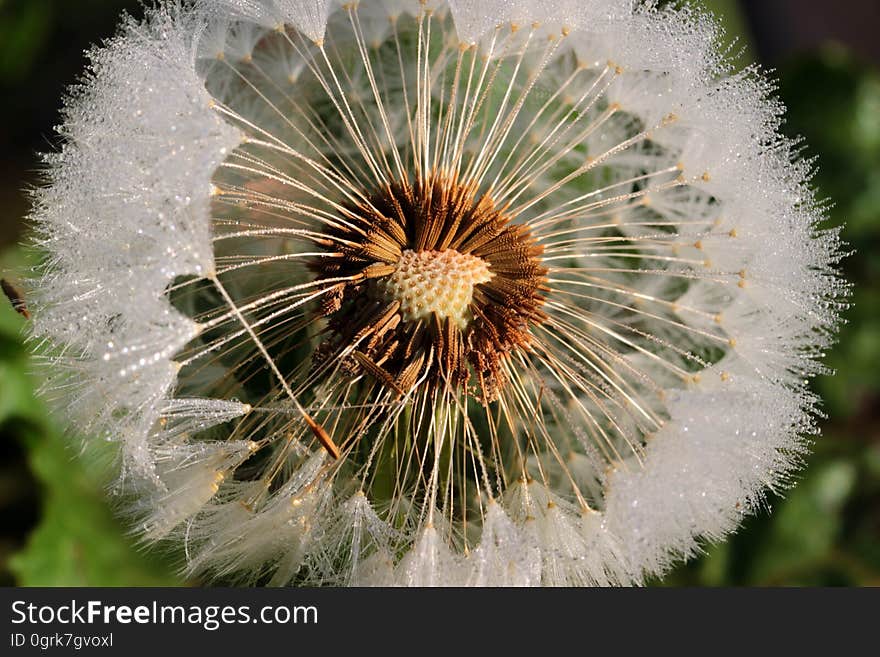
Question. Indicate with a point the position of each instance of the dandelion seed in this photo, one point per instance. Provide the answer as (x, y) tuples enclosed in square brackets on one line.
[(15, 297), (491, 293)]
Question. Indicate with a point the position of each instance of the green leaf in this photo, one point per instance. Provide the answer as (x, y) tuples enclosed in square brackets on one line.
[(834, 103), (805, 527), (78, 542)]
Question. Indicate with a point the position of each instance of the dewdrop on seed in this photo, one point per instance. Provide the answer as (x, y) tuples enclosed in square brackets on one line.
[(432, 293)]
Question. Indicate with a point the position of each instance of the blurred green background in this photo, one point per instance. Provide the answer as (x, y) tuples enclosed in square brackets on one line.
[(57, 528)]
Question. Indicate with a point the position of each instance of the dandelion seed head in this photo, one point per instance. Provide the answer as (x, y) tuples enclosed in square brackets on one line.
[(422, 293)]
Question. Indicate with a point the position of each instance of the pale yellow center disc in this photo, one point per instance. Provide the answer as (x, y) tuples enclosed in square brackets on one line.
[(440, 282)]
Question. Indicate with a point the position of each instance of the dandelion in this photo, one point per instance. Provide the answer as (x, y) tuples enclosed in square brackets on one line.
[(421, 293)]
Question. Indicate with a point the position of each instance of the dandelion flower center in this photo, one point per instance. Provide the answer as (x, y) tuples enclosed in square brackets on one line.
[(435, 282)]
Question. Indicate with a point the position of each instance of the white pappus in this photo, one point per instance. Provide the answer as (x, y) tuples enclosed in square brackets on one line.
[(394, 292)]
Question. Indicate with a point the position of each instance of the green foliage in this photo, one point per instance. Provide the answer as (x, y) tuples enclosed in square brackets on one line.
[(78, 542), (23, 29), (835, 104)]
